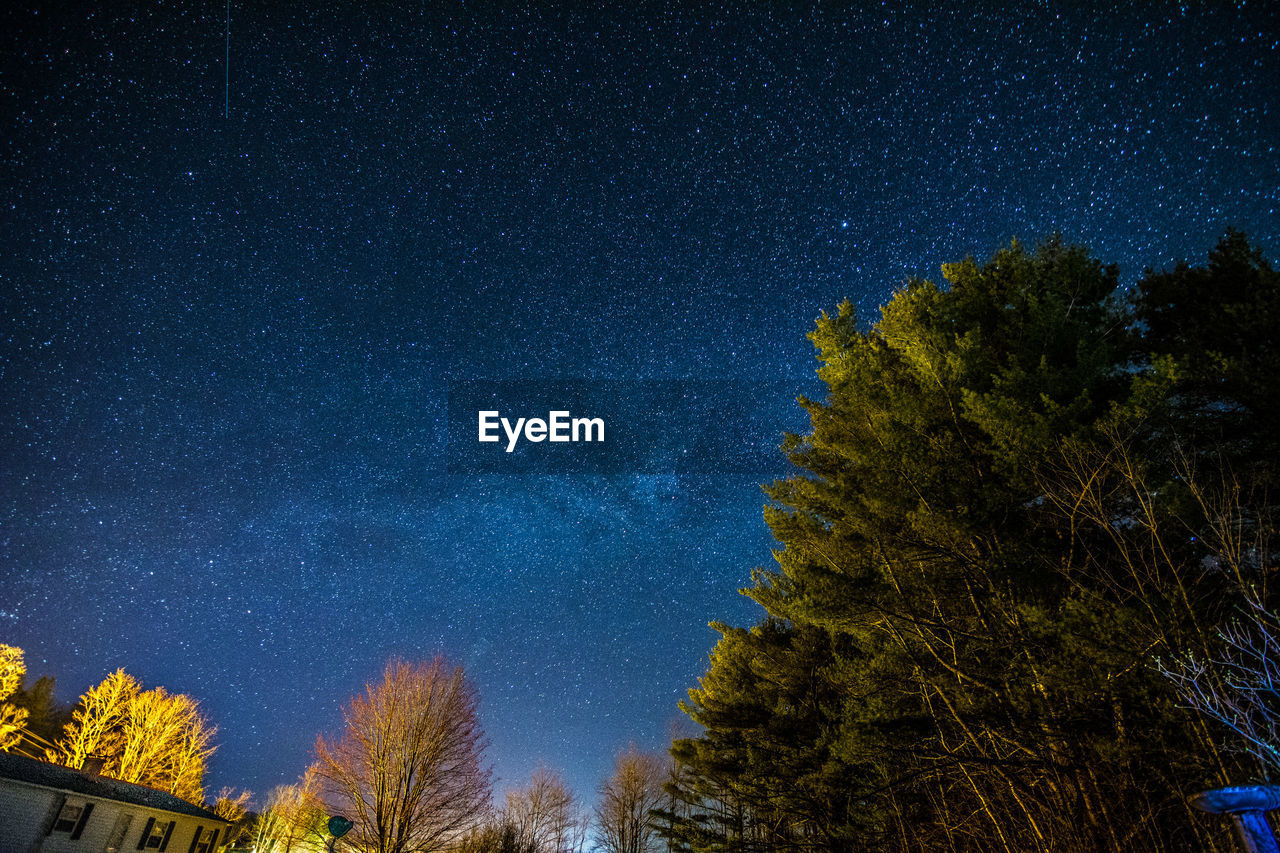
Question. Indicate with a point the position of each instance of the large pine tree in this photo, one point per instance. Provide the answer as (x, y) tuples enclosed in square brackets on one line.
[(1020, 492)]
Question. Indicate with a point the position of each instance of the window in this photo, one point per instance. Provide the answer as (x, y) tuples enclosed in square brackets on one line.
[(155, 839), (204, 841), (72, 816), (69, 816), (115, 841)]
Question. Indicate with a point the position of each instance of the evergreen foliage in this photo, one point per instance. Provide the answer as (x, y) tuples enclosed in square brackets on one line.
[(46, 716), (1021, 490)]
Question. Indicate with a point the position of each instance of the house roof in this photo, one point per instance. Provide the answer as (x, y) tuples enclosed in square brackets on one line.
[(22, 769)]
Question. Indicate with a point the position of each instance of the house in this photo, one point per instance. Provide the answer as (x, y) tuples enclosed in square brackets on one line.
[(45, 808)]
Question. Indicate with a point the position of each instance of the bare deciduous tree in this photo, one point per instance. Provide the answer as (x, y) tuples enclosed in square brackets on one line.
[(12, 718), (151, 737), (231, 806), (623, 817), (166, 742), (292, 821), (407, 770), (544, 815), (234, 808), (1239, 687), (95, 727), (1229, 674)]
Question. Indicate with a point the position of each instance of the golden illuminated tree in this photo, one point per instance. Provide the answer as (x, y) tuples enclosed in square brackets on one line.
[(96, 727), (231, 806), (167, 743), (153, 737), (407, 769), (293, 820), (12, 718)]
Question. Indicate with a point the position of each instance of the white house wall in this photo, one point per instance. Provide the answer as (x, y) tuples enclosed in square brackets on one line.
[(28, 811), (24, 809)]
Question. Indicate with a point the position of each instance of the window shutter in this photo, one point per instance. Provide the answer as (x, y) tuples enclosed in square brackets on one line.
[(195, 839), (57, 811), (164, 845), (84, 818), (146, 833), (213, 842)]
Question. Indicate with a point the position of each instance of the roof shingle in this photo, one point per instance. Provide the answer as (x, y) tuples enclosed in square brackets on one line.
[(22, 769)]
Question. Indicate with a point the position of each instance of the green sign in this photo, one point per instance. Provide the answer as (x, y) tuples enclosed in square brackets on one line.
[(339, 826)]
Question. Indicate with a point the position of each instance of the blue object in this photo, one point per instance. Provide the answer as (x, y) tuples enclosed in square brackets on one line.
[(1248, 806)]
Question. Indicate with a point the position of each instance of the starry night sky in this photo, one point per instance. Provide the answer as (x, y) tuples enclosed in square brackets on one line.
[(226, 339)]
